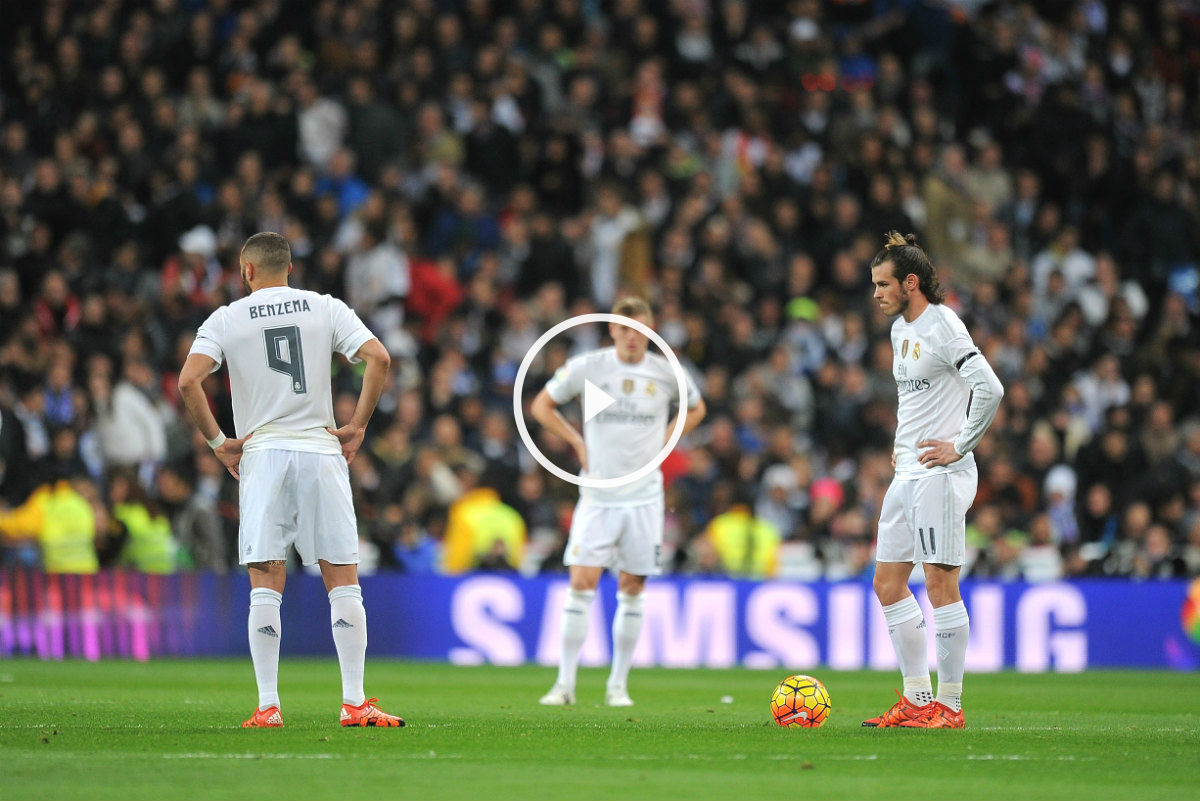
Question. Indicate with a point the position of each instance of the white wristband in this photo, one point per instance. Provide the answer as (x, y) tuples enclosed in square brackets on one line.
[(217, 441)]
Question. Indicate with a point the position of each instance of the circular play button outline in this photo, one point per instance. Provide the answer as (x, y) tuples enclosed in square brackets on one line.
[(589, 481)]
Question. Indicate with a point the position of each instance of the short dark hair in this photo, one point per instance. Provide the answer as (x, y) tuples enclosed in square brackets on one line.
[(907, 258), (268, 251)]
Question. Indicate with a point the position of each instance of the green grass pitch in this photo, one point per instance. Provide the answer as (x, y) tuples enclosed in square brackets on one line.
[(170, 729)]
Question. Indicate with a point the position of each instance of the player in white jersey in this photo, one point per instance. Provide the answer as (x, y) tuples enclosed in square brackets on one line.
[(620, 527), (291, 464), (948, 396)]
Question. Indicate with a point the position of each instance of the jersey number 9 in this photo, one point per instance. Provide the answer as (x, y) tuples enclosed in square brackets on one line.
[(284, 355)]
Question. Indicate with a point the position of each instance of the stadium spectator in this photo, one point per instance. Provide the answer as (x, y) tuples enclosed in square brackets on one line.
[(195, 525), (61, 518), (411, 548), (747, 546), (14, 459), (63, 461), (130, 427), (482, 532), (377, 279), (149, 546)]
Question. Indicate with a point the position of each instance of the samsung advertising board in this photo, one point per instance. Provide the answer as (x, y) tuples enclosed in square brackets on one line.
[(507, 620)]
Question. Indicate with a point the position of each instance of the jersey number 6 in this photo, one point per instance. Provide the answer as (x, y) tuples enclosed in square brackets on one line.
[(284, 355)]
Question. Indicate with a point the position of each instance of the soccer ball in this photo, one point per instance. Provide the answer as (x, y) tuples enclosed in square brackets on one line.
[(800, 701)]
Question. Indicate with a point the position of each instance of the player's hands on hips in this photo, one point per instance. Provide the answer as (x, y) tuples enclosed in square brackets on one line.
[(351, 437), (581, 454), (229, 453), (939, 453)]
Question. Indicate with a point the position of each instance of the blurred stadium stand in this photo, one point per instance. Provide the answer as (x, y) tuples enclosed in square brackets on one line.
[(467, 174)]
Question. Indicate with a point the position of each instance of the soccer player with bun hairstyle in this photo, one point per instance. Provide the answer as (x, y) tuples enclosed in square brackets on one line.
[(948, 396), (620, 527), (290, 461)]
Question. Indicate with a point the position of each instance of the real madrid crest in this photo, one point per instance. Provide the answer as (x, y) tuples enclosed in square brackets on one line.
[(650, 388), (916, 351)]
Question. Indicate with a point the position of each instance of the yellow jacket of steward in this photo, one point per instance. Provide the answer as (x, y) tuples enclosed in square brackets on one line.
[(748, 545), (64, 524), (150, 548), (476, 522)]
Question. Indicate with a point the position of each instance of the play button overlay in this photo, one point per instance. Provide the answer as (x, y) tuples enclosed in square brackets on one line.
[(596, 400)]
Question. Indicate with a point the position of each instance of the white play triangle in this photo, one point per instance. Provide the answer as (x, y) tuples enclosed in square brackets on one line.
[(595, 400)]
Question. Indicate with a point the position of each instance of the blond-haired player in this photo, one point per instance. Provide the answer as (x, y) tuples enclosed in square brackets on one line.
[(948, 396), (621, 527), (291, 464)]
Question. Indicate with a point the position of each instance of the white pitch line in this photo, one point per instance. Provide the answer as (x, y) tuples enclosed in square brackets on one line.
[(209, 755), (1024, 728), (213, 755), (816, 757), (1029, 758)]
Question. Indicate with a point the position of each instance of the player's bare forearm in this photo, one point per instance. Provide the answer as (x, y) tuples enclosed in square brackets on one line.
[(693, 418), (546, 412), (191, 390), (374, 377)]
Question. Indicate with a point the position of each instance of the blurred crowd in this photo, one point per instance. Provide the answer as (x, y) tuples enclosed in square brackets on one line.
[(466, 174)]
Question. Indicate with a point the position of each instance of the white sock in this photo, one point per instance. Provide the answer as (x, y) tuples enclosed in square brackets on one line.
[(265, 631), (576, 610), (906, 626), (349, 621), (627, 626), (953, 629)]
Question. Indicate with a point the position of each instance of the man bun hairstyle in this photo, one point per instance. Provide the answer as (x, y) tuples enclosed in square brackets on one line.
[(908, 258)]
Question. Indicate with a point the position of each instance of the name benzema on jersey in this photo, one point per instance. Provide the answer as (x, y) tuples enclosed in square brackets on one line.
[(276, 309)]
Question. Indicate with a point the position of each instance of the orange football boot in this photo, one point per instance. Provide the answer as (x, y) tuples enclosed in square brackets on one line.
[(368, 715), (268, 718), (939, 717), (903, 710)]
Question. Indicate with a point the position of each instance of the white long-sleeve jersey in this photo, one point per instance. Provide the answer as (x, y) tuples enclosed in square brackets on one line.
[(947, 390)]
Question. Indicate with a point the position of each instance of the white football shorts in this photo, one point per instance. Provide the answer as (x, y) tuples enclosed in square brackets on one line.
[(628, 538), (296, 498), (925, 519)]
